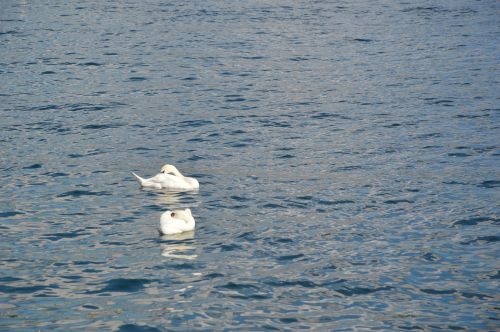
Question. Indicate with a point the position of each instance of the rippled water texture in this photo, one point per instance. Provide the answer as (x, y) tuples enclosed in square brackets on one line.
[(347, 153)]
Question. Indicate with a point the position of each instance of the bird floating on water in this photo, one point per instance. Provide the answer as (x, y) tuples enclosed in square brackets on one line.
[(169, 178), (175, 222)]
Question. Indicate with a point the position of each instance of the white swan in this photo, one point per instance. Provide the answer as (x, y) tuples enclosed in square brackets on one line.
[(175, 222), (169, 178)]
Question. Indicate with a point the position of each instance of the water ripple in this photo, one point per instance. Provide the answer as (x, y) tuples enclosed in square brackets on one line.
[(347, 155)]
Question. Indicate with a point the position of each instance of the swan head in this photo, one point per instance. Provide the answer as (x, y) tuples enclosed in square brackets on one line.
[(167, 215), (183, 214), (169, 169), (178, 214)]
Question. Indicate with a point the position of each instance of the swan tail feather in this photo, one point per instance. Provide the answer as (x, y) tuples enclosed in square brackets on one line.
[(141, 180)]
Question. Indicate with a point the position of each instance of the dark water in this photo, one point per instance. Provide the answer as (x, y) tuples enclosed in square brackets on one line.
[(347, 151)]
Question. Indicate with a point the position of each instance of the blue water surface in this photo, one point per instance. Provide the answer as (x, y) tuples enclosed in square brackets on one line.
[(347, 154)]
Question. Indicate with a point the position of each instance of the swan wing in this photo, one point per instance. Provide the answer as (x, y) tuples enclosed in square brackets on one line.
[(174, 182), (192, 182), (174, 226), (162, 180), (168, 181)]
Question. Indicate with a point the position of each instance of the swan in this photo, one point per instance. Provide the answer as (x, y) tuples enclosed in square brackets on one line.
[(169, 178), (175, 222)]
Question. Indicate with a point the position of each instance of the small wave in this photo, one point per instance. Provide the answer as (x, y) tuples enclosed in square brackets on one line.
[(194, 123), (471, 295), (350, 291), (287, 258), (239, 198), (238, 286), (248, 236), (411, 327), (213, 275), (234, 98), (438, 291), (255, 57), (21, 289), (484, 239), (325, 115), (10, 214), (298, 58), (10, 32), (237, 144), (79, 193), (272, 206), (195, 158), (34, 166), (90, 64), (123, 285), (489, 184), (103, 126), (277, 240), (337, 202), (197, 140), (398, 201), (137, 79), (9, 279), (90, 307), (425, 9), (137, 328), (349, 168), (79, 263), (475, 220), (458, 154), (141, 148), (64, 235), (430, 257), (230, 247), (85, 107), (363, 40)]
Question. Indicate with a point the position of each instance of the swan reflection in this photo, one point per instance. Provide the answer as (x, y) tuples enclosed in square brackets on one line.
[(178, 250), (175, 199)]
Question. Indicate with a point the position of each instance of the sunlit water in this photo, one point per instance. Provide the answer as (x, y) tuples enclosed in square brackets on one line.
[(347, 153)]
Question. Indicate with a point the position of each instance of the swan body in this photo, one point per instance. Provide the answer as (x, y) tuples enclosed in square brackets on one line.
[(175, 222), (169, 178)]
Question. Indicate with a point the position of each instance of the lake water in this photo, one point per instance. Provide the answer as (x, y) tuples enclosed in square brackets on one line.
[(347, 153)]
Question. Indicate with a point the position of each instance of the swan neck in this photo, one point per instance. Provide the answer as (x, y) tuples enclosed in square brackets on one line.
[(177, 173)]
